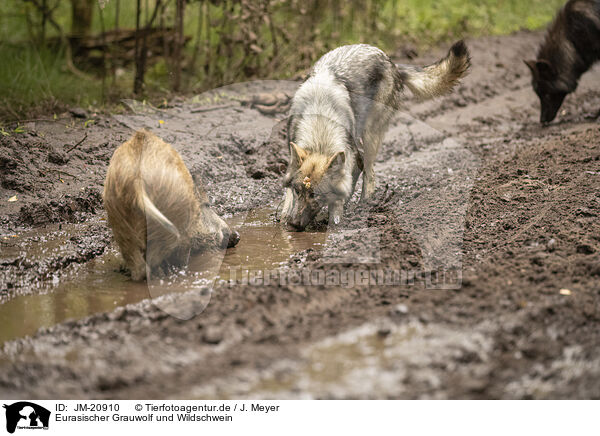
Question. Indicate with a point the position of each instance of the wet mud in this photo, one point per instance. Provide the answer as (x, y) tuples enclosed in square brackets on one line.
[(101, 284), (473, 273)]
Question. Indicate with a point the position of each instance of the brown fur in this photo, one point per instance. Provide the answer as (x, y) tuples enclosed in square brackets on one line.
[(154, 208), (313, 166)]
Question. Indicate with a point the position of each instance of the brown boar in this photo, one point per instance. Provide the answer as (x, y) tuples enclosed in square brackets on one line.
[(155, 210)]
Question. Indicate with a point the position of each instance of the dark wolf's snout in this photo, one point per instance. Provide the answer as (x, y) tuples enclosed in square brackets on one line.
[(550, 106), (571, 46)]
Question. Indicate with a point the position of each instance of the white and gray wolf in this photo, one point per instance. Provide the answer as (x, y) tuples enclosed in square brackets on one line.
[(338, 119), (570, 48), (158, 214)]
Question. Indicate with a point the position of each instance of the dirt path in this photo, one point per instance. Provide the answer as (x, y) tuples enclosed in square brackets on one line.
[(469, 185)]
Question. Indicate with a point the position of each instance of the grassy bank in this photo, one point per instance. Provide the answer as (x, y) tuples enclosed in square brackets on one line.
[(235, 42)]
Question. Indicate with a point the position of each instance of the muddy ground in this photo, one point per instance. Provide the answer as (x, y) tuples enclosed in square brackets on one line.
[(469, 184)]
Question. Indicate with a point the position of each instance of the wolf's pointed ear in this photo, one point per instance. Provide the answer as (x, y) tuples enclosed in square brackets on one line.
[(532, 66), (545, 69), (298, 152), (337, 161)]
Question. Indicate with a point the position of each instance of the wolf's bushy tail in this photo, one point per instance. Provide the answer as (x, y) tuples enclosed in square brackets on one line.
[(440, 78)]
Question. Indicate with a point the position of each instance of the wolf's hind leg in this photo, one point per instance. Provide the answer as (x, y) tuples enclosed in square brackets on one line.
[(372, 147), (355, 175), (376, 127)]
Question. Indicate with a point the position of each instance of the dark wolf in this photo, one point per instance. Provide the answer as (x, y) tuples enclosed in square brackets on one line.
[(339, 117), (571, 46), (157, 213)]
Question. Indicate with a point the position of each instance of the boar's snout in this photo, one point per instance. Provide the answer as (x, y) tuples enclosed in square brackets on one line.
[(224, 242), (234, 238), (217, 229), (229, 238)]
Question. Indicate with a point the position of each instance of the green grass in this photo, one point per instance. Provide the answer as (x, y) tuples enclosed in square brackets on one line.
[(427, 22), (34, 79)]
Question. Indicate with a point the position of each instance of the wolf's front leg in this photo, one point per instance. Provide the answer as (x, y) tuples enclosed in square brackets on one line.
[(336, 211), (287, 205), (368, 187)]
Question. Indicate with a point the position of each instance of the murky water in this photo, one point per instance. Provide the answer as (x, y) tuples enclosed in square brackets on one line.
[(340, 361), (99, 286), (357, 363)]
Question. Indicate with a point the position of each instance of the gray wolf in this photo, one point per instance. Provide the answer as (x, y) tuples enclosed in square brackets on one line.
[(571, 46), (338, 119), (156, 211)]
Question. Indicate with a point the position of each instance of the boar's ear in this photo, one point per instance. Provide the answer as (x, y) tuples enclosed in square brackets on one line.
[(298, 153), (532, 66), (545, 69), (337, 161)]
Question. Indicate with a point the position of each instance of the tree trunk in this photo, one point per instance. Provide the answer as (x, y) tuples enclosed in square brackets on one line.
[(81, 17), (141, 47), (199, 30), (139, 66), (44, 19), (179, 41)]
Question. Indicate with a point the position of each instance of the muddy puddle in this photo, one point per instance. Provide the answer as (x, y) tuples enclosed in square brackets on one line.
[(361, 361), (374, 360), (100, 286), (339, 360)]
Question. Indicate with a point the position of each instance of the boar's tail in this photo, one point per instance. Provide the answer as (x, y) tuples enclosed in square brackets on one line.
[(153, 213)]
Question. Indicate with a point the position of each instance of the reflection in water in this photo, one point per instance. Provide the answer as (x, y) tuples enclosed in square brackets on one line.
[(263, 245), (99, 286)]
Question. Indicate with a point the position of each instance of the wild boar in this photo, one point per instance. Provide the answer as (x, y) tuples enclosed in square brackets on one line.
[(157, 213)]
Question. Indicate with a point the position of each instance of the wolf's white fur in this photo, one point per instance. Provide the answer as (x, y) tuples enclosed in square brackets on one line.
[(346, 105)]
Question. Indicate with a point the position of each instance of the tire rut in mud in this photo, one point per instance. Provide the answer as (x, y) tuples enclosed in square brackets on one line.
[(530, 230)]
